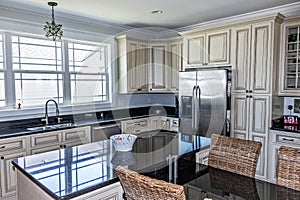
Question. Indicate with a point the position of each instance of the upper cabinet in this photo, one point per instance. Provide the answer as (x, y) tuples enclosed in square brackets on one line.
[(133, 58), (252, 74), (148, 65), (204, 49), (290, 58)]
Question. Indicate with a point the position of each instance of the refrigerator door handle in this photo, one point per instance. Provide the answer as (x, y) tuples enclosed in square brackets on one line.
[(197, 114), (197, 107), (193, 108)]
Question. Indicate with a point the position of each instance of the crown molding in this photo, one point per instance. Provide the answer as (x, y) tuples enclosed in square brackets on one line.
[(286, 10)]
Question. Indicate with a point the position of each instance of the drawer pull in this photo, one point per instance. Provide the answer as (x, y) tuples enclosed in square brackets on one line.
[(2, 147), (290, 140), (2, 157)]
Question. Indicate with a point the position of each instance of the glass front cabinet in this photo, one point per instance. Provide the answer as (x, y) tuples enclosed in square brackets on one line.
[(290, 59)]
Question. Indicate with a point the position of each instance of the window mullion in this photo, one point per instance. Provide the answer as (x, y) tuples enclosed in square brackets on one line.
[(66, 73), (9, 79)]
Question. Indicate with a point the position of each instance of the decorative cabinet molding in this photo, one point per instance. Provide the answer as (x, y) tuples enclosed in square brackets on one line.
[(148, 65), (207, 49)]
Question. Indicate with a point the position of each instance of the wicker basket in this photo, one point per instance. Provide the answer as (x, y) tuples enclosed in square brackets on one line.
[(289, 167), (234, 155), (139, 187)]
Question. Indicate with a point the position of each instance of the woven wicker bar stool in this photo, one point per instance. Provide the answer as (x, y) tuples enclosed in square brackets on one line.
[(139, 187), (234, 155), (289, 167)]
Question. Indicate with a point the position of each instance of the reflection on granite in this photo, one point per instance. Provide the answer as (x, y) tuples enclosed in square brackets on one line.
[(70, 172), (19, 127)]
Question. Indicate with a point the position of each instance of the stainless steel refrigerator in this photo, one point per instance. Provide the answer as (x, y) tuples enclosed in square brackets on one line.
[(204, 102)]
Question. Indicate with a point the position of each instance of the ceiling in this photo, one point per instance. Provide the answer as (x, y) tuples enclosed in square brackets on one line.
[(137, 13)]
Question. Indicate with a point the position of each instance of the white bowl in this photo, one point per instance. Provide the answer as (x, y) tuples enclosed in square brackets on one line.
[(123, 142)]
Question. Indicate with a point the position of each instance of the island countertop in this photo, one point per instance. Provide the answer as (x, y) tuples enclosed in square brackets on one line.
[(70, 172)]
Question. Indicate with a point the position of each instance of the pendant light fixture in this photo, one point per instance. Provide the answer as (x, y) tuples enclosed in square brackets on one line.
[(52, 29)]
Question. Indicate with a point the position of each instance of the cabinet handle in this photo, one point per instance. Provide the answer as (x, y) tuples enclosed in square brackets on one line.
[(150, 89), (247, 91), (139, 89), (2, 157), (250, 91), (61, 146), (65, 146), (247, 96), (2, 147), (290, 140), (250, 96)]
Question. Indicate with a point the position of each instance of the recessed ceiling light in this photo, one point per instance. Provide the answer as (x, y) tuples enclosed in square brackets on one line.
[(156, 12)]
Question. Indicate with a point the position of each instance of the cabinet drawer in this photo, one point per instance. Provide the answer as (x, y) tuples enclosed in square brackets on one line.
[(76, 134), (13, 144), (45, 139), (46, 149), (288, 139)]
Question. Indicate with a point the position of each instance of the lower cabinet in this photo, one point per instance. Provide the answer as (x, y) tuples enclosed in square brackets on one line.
[(10, 149), (276, 140), (16, 147), (8, 174)]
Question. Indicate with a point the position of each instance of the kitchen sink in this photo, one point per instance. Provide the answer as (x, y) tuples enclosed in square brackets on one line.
[(50, 127)]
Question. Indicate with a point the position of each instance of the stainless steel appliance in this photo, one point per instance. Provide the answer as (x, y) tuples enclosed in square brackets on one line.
[(204, 102), (103, 132)]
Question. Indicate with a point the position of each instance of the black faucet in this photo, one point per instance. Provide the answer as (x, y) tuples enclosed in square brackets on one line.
[(46, 119)]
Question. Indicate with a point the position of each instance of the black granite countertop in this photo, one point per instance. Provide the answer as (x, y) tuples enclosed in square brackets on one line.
[(73, 171), (20, 127)]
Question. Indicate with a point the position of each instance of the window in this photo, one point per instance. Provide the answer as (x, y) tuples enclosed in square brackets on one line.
[(67, 71), (2, 89), (88, 70), (37, 65)]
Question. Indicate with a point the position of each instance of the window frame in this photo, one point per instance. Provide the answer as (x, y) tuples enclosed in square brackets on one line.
[(66, 106)]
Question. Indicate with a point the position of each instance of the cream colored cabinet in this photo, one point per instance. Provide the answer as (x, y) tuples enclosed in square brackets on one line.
[(276, 140), (159, 68), (252, 74), (9, 150), (156, 123), (174, 65), (207, 48), (290, 58), (133, 59), (136, 126), (49, 141), (250, 117)]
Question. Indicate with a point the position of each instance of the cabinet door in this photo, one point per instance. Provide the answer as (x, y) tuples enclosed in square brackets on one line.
[(155, 123), (132, 63), (8, 174), (239, 114), (261, 169), (218, 47), (173, 69), (259, 114), (158, 67), (142, 67), (240, 58), (261, 58), (196, 50)]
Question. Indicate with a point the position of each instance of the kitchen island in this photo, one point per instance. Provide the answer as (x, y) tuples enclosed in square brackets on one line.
[(87, 172), (72, 172)]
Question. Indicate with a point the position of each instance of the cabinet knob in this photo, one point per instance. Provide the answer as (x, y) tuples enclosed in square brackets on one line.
[(150, 89), (65, 146), (250, 96), (247, 91), (61, 146), (250, 91), (2, 157), (247, 96), (2, 147)]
